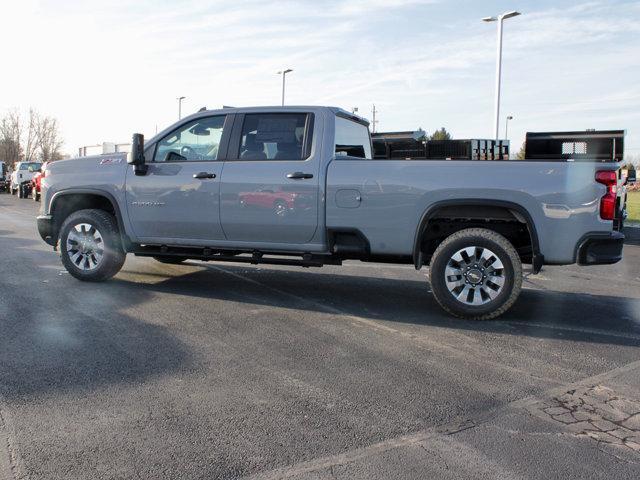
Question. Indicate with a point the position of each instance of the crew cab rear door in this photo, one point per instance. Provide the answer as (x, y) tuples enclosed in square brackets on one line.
[(269, 190), (177, 200)]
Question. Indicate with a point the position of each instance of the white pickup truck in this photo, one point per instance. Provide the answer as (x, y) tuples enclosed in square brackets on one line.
[(21, 177)]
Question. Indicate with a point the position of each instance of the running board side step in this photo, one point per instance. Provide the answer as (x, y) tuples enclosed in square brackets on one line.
[(256, 257)]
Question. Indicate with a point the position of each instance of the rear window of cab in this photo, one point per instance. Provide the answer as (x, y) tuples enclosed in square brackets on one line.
[(352, 139)]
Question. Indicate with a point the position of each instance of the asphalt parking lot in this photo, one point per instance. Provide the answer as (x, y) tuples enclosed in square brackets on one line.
[(210, 371)]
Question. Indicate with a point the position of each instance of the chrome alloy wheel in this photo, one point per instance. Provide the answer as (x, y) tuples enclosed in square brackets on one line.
[(85, 246), (474, 275)]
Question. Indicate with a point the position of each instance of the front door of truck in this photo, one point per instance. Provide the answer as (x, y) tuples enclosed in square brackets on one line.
[(177, 200), (269, 191)]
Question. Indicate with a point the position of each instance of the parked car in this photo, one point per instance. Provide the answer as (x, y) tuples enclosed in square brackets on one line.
[(21, 178), (473, 222), (36, 182), (4, 181)]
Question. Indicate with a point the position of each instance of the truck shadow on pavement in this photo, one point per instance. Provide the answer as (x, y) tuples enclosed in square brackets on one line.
[(70, 336), (542, 314)]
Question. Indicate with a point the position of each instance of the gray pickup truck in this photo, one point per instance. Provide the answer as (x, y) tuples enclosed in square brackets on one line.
[(298, 186)]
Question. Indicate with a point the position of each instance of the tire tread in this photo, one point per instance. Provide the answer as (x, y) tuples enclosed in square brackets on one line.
[(503, 243)]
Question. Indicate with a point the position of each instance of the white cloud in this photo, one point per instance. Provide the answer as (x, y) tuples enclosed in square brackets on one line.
[(106, 69)]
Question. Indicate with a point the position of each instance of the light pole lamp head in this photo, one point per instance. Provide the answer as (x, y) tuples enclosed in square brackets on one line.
[(510, 117), (283, 72), (181, 98), (510, 14), (501, 17)]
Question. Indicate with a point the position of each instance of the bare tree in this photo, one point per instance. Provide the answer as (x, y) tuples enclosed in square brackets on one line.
[(48, 138), (31, 137), (10, 138)]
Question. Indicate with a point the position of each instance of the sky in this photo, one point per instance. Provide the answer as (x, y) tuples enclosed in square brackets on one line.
[(107, 69)]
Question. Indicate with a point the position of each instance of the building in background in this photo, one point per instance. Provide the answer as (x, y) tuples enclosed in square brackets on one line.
[(105, 148)]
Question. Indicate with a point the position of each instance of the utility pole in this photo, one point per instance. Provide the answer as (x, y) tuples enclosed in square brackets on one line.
[(180, 106), (499, 19), (374, 121)]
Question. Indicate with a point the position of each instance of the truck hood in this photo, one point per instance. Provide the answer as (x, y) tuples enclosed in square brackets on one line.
[(94, 163)]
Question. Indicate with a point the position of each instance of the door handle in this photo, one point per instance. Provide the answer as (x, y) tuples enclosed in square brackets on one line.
[(202, 175), (299, 175)]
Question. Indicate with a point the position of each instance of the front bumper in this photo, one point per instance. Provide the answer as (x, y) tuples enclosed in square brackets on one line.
[(600, 249), (46, 229)]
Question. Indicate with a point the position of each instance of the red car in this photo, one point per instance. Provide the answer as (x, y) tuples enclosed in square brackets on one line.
[(36, 181), (279, 202)]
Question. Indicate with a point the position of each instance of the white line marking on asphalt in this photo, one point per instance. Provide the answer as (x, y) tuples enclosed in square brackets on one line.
[(345, 458), (455, 351), (590, 331)]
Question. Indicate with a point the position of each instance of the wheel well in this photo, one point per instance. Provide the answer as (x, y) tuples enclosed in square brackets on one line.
[(513, 223), (66, 204)]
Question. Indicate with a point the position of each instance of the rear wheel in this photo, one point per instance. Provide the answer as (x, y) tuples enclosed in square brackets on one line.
[(35, 195), (90, 245), (476, 274)]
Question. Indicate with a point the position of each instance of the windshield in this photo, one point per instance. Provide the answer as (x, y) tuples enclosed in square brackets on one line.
[(26, 166)]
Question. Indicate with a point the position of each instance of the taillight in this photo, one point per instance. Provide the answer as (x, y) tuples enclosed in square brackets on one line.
[(609, 179)]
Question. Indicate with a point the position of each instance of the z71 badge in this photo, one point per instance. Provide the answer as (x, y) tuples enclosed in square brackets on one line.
[(110, 161)]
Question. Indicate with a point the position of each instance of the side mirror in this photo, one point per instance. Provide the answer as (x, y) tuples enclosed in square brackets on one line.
[(136, 156)]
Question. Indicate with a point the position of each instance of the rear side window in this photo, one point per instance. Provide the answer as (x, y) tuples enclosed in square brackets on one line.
[(275, 136), (352, 139)]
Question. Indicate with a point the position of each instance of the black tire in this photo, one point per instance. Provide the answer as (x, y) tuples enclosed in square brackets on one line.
[(35, 195), (510, 274), (113, 256), (12, 190), (171, 260), (20, 191)]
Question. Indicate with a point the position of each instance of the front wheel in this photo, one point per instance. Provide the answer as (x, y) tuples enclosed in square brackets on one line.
[(90, 245), (476, 274)]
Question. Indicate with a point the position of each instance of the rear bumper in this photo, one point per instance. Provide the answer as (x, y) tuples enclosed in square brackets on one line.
[(600, 249), (46, 229)]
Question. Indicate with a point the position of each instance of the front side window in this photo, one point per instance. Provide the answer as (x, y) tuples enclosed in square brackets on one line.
[(197, 141), (273, 136), (352, 139)]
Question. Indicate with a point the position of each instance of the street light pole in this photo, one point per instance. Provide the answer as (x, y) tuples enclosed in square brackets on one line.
[(284, 73), (500, 19), (180, 106), (506, 127)]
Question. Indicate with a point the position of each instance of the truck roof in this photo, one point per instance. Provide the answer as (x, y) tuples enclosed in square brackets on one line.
[(278, 108)]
